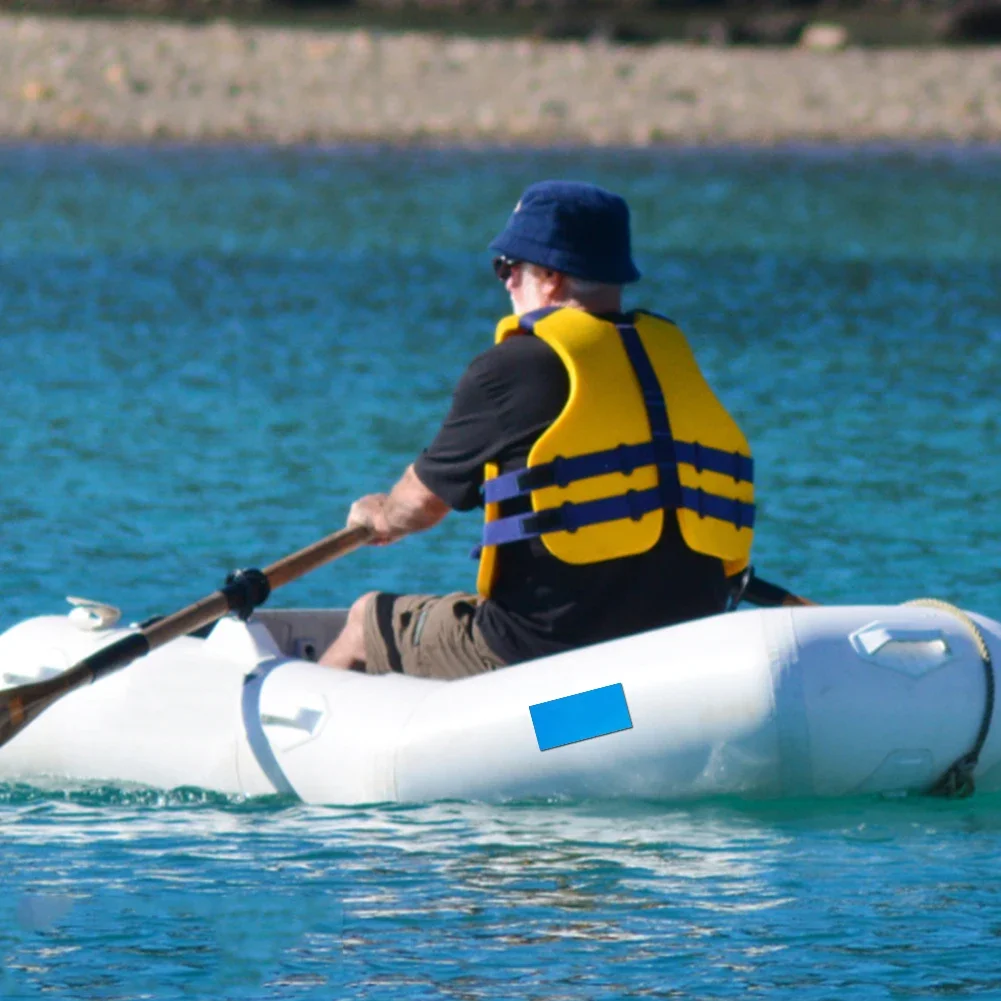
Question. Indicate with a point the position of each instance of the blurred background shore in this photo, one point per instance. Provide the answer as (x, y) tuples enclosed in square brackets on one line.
[(448, 71)]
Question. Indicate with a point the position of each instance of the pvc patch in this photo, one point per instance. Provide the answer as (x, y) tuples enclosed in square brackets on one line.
[(580, 717)]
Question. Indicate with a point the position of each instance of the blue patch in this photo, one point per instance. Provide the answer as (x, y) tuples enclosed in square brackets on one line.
[(580, 717)]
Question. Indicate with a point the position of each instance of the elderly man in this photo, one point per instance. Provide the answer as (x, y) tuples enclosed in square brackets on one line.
[(617, 490)]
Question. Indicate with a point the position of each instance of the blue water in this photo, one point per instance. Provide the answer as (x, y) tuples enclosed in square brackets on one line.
[(206, 355)]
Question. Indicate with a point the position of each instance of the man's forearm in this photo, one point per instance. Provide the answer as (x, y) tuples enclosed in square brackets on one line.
[(411, 507)]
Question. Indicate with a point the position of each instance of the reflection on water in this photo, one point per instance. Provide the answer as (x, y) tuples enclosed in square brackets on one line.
[(463, 897)]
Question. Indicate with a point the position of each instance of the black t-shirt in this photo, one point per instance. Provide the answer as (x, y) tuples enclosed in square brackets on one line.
[(540, 605)]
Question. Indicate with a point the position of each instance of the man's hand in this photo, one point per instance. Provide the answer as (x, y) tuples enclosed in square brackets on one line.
[(408, 507), (370, 512)]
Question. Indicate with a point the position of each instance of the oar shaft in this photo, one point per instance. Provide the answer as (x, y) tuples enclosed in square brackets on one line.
[(187, 620), (301, 563), (285, 570), (19, 706)]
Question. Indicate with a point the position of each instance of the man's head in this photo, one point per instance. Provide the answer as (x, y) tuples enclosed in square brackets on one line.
[(566, 243)]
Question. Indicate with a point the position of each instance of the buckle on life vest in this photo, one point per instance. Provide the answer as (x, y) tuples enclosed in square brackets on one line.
[(560, 477), (550, 474), (569, 512), (535, 478), (636, 511), (552, 519), (697, 457), (623, 460)]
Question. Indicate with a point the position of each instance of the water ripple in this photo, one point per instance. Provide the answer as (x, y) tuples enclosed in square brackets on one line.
[(208, 354)]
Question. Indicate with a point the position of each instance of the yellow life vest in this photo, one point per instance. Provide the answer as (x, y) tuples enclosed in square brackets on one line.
[(641, 432)]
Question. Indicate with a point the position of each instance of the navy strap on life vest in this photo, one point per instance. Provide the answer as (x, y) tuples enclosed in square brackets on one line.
[(633, 504), (662, 450), (625, 459), (656, 411)]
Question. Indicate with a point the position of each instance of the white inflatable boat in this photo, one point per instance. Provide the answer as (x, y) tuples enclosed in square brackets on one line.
[(829, 701)]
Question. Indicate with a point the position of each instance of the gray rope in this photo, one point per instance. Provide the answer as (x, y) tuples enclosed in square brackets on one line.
[(958, 779)]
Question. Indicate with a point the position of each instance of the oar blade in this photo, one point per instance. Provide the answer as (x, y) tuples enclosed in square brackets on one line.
[(19, 706)]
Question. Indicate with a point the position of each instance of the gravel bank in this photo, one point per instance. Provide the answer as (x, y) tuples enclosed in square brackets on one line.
[(136, 80)]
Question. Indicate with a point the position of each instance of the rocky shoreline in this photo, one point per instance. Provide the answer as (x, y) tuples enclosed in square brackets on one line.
[(138, 81)]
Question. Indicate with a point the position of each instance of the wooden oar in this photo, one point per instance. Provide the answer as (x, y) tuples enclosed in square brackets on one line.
[(243, 592)]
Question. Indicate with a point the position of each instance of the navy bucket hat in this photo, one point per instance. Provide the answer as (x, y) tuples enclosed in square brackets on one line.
[(574, 228)]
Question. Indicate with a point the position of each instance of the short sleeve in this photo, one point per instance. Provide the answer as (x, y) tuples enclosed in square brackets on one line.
[(451, 467)]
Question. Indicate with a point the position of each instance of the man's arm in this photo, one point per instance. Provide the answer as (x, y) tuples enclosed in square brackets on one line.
[(448, 474), (409, 507)]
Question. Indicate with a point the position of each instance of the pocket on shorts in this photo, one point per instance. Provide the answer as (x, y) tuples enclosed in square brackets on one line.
[(418, 631), (442, 643)]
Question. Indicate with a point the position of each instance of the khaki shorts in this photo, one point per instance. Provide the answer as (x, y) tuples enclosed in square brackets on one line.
[(426, 635)]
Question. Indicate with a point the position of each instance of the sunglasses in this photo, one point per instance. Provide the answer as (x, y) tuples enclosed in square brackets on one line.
[(503, 266)]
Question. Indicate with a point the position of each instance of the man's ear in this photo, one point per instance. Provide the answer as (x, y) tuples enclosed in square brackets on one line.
[(555, 282)]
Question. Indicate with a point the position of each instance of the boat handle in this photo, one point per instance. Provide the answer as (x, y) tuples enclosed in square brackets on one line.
[(872, 639), (305, 719)]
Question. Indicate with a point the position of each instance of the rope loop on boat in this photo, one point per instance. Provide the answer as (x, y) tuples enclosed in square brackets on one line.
[(957, 782)]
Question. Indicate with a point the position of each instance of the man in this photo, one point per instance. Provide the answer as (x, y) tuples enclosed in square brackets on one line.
[(617, 489)]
